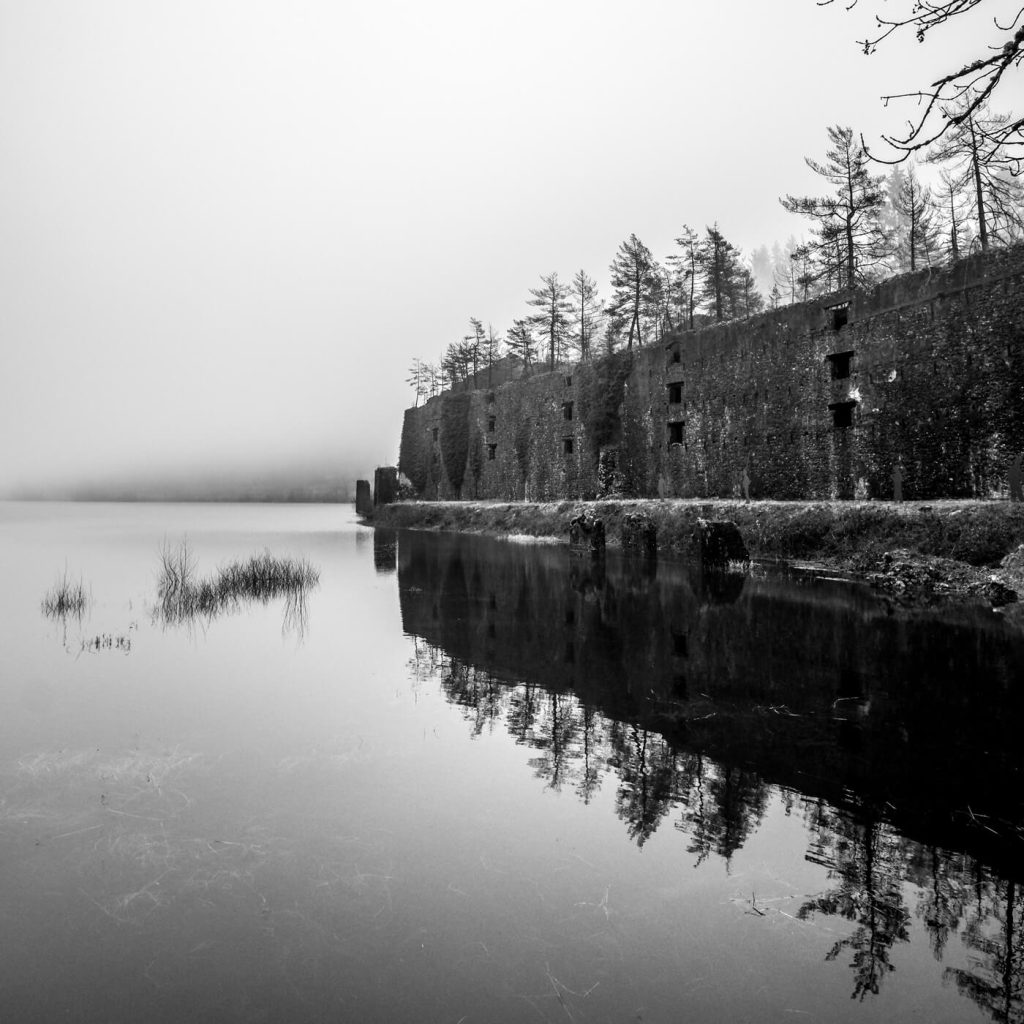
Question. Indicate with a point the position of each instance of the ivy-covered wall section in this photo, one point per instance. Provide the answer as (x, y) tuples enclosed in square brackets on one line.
[(917, 384)]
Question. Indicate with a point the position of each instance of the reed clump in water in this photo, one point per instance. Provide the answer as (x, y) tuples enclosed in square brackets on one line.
[(184, 595), (65, 599)]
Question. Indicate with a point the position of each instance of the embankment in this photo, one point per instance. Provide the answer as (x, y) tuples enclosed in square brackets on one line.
[(943, 546)]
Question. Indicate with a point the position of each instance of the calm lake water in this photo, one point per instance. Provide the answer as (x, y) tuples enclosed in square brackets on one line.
[(479, 781)]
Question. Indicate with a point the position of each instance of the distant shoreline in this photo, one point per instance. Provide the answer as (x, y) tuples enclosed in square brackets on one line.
[(178, 500)]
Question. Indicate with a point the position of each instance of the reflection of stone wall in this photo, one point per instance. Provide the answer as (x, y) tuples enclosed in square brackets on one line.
[(815, 685), (928, 368)]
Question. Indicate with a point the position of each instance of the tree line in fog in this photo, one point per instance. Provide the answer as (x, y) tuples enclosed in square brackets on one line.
[(864, 226)]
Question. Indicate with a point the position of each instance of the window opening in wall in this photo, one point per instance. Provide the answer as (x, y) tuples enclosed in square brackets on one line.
[(840, 316), (676, 356), (675, 433), (839, 362), (567, 446), (842, 414), (492, 450), (433, 433), (568, 380), (491, 420), (680, 646), (675, 394), (490, 397), (567, 410)]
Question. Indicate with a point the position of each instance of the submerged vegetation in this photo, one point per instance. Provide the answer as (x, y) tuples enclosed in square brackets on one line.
[(185, 596), (65, 599)]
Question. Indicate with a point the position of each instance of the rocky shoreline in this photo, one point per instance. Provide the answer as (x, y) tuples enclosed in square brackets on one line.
[(920, 553)]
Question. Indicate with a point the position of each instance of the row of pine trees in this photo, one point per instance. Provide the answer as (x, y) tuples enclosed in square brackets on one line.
[(865, 227)]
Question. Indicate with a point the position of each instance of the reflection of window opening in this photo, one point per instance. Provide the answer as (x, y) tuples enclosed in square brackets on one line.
[(433, 433), (490, 424), (839, 362), (675, 433), (567, 410), (840, 316), (570, 653), (491, 631), (842, 414), (675, 394), (491, 452), (567, 446)]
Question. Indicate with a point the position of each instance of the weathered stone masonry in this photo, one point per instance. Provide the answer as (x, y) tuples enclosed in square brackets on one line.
[(917, 383)]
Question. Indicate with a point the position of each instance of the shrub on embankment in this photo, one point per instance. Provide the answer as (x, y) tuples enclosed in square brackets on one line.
[(857, 533)]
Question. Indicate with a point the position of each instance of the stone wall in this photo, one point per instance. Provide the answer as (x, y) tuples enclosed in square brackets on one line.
[(917, 383)]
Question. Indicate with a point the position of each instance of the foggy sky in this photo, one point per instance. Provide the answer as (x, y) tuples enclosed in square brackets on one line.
[(227, 227)]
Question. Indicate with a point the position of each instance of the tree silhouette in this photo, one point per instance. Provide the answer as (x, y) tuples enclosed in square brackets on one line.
[(953, 98), (846, 222), (633, 277)]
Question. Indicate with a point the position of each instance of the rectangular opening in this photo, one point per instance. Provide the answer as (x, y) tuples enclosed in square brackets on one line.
[(568, 380), (676, 355), (433, 433), (491, 452), (675, 394), (491, 420), (567, 410), (839, 362), (676, 432), (842, 414), (840, 316), (567, 446), (680, 646)]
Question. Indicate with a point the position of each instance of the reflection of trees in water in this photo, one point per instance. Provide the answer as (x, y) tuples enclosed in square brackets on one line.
[(729, 803), (646, 768), (690, 705), (721, 806), (994, 977), (871, 864), (866, 859)]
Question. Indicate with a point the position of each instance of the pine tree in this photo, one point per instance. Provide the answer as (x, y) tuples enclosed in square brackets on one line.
[(685, 269), (981, 172), (521, 343), (586, 309), (719, 268), (552, 320), (917, 237), (633, 277), (850, 238)]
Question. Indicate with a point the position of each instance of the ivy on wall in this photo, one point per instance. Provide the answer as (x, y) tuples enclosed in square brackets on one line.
[(937, 381), (455, 437), (412, 453), (601, 397)]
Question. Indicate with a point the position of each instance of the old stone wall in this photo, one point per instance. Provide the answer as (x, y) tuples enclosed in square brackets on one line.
[(915, 386)]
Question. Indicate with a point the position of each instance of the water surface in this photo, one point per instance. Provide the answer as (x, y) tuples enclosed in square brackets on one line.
[(477, 781)]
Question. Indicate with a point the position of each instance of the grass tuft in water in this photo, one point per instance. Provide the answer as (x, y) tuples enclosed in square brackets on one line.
[(184, 595), (65, 599)]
